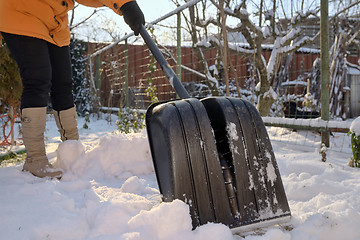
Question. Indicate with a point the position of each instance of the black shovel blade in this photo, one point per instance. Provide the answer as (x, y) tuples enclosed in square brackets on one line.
[(258, 186), (215, 155), (186, 161)]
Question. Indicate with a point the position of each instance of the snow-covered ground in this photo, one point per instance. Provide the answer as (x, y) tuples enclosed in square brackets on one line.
[(109, 192)]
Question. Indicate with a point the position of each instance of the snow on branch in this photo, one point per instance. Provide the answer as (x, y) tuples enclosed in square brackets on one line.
[(241, 49), (247, 26), (286, 45), (207, 22), (300, 16)]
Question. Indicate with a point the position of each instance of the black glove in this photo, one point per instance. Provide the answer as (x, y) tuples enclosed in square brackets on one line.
[(133, 16)]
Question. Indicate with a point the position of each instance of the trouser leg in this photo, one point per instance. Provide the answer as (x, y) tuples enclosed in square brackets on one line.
[(33, 59), (61, 93)]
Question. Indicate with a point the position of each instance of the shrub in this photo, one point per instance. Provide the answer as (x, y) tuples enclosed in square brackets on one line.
[(130, 120), (10, 81), (355, 143)]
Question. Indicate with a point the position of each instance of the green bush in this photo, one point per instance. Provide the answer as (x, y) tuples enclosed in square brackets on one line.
[(355, 147), (130, 120)]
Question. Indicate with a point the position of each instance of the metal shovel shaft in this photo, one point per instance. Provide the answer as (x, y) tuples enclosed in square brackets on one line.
[(169, 73)]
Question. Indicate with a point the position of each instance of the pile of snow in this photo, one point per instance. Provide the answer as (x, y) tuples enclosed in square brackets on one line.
[(109, 191)]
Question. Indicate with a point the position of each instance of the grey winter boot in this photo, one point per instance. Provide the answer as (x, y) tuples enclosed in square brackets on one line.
[(66, 121), (33, 127)]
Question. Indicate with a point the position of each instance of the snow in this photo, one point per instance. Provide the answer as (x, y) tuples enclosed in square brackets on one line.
[(270, 94), (293, 83), (355, 126), (272, 60), (233, 136), (315, 122), (109, 191)]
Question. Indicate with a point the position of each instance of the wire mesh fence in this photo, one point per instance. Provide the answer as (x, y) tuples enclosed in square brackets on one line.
[(339, 142), (307, 132)]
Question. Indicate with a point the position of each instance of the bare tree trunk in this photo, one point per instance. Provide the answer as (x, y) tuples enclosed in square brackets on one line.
[(225, 48), (199, 54), (265, 98), (264, 102)]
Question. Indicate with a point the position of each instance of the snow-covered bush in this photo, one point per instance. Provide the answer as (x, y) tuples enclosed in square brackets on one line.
[(81, 87), (130, 120), (355, 143), (322, 152), (87, 120)]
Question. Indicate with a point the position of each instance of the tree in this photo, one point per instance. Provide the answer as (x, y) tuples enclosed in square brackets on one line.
[(195, 15), (10, 81), (81, 88), (280, 23), (285, 41)]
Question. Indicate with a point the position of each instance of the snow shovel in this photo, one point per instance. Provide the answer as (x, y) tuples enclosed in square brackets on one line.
[(215, 155)]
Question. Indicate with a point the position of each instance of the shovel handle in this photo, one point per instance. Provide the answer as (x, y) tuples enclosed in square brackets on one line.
[(169, 73)]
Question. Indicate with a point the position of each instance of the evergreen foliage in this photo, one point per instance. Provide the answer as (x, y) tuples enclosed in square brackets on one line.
[(10, 81), (130, 120), (81, 86), (355, 147)]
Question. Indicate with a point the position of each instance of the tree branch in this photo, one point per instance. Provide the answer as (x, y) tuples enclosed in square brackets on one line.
[(84, 20)]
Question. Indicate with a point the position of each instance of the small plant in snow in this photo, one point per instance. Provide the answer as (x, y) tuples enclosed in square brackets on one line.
[(323, 151), (151, 89), (87, 120), (355, 143), (130, 120), (308, 102)]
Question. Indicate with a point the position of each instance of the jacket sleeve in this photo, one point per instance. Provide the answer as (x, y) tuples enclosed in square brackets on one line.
[(90, 3), (115, 5)]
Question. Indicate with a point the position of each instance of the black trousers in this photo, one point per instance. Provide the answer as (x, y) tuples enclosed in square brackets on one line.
[(45, 70)]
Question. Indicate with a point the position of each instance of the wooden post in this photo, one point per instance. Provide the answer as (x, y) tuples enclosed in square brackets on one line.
[(324, 55), (178, 48)]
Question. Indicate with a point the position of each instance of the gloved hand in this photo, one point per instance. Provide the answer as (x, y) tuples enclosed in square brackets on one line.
[(133, 16)]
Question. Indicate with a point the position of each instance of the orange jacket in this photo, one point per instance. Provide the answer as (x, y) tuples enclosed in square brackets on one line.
[(45, 19)]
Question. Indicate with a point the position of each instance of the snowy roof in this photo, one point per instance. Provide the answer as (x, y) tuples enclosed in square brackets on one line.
[(353, 71)]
